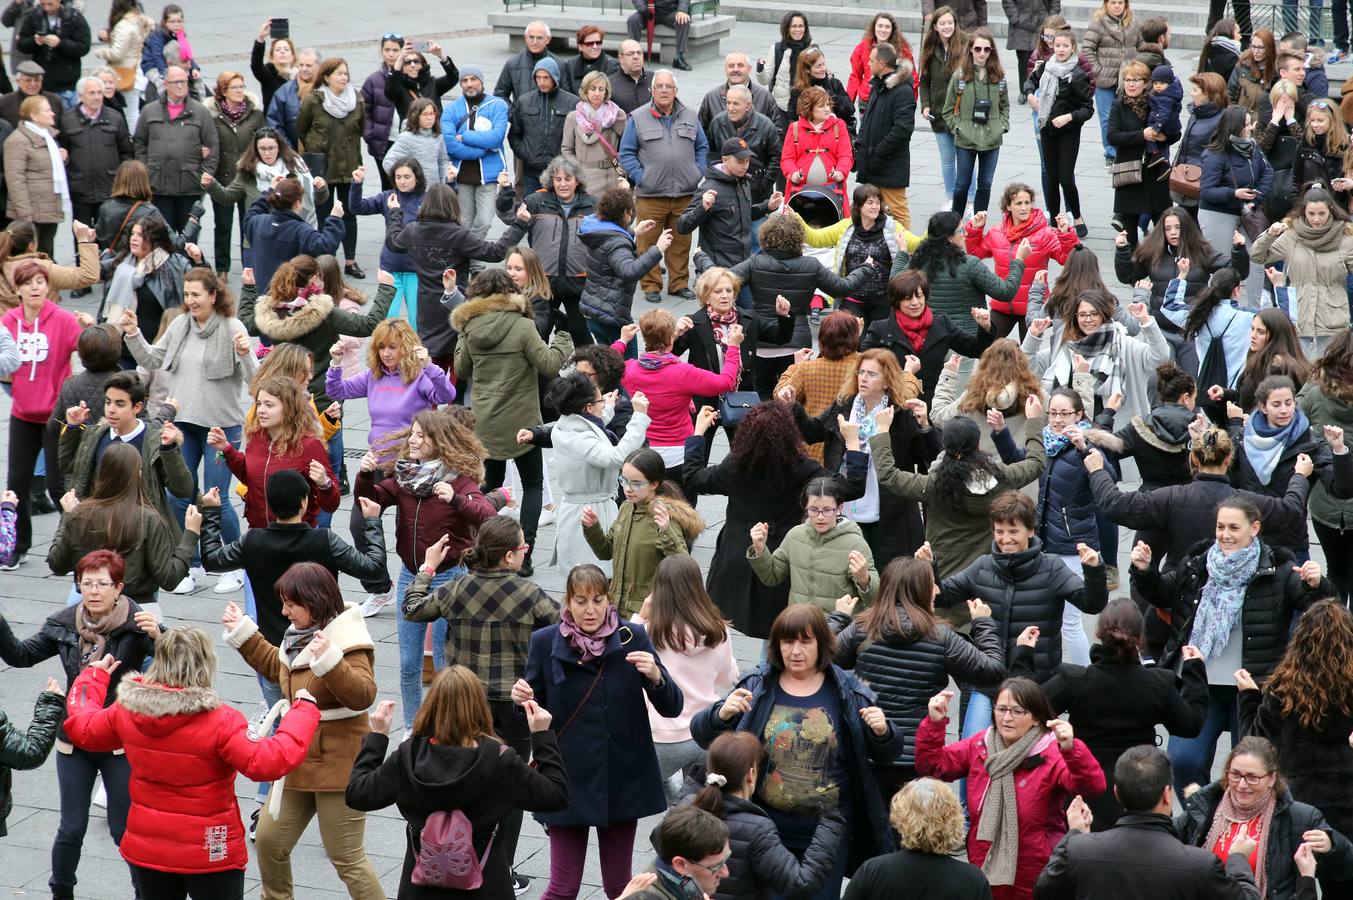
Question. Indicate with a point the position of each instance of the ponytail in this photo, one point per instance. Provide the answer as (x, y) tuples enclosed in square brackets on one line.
[(1218, 291), (290, 277), (730, 758)]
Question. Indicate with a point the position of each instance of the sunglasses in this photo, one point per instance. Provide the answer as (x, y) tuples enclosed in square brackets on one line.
[(392, 36), (591, 43), (981, 49)]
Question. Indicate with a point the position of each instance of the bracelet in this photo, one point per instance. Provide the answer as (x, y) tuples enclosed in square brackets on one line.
[(428, 570)]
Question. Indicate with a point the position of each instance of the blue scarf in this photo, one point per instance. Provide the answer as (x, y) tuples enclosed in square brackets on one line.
[(1055, 442), (596, 420), (865, 418), (1265, 445), (1228, 577)]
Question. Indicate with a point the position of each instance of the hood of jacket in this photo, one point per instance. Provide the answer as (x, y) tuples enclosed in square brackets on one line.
[(484, 321), (1166, 428), (716, 173), (691, 523), (160, 709), (281, 326), (1325, 402), (903, 73), (450, 777), (595, 232)]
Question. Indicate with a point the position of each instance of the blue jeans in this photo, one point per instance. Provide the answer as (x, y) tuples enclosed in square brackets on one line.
[(411, 635), (215, 474), (1038, 138), (1104, 98), (335, 448), (756, 234), (608, 334), (271, 692), (976, 719), (984, 161), (1192, 757), (406, 290)]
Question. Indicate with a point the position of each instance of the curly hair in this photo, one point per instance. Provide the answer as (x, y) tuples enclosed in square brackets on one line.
[(605, 361), (1002, 365), (1314, 679), (451, 442), (298, 415), (767, 445), (937, 252), (1333, 371), (783, 233), (962, 464), (927, 817), (399, 333)]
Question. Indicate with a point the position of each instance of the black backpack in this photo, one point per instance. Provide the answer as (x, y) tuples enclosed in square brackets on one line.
[(1212, 370)]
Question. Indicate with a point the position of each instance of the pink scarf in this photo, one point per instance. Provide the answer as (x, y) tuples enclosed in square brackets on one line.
[(593, 120), (720, 322), (185, 48), (589, 646)]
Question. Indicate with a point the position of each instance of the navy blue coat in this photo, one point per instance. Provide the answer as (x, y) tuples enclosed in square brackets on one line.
[(1223, 173), (277, 235), (870, 834), (612, 768), (1066, 505)]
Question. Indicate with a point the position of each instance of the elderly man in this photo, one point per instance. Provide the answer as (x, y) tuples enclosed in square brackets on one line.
[(474, 127), (28, 76), (537, 120), (740, 120), (737, 70), (674, 13), (286, 102), (884, 155), (96, 142), (177, 140), (663, 151), (57, 38), (517, 79), (632, 86)]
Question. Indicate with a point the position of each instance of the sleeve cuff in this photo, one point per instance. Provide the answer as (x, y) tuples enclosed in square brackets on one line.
[(327, 661), (243, 631)]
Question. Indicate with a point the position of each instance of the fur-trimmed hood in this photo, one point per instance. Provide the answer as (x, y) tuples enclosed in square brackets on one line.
[(685, 515), (1106, 440), (160, 708), (280, 325), (904, 72), (1166, 429), (484, 321)]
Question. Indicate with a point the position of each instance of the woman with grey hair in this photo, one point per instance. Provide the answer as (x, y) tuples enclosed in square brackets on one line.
[(592, 135)]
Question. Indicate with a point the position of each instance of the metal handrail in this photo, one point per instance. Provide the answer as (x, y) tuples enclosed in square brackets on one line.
[(1316, 22)]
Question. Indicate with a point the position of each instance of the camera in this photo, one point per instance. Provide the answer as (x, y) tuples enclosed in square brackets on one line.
[(981, 111)]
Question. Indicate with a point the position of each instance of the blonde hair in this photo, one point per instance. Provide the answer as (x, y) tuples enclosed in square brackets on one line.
[(285, 360), (298, 414), (927, 817), (592, 78), (537, 282), (183, 658), (401, 334), (709, 280), (1104, 11), (455, 712), (451, 441), (893, 383), (1002, 365), (1336, 139), (1280, 88)]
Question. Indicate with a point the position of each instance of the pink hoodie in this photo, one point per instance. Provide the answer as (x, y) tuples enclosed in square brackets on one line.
[(670, 385), (44, 359)]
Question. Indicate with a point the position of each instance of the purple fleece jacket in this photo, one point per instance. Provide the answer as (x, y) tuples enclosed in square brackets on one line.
[(391, 403)]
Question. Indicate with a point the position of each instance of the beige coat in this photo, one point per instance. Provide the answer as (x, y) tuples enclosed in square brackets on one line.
[(28, 175), (1109, 45), (59, 278), (600, 171), (1317, 279), (125, 41)]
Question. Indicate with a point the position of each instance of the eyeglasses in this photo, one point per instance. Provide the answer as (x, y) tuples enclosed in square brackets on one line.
[(1134, 80), (95, 585), (392, 36), (1252, 780), (821, 512), (1062, 414), (591, 43), (1010, 712), (1087, 316), (632, 485), (1048, 36), (866, 373), (522, 549), (714, 869)]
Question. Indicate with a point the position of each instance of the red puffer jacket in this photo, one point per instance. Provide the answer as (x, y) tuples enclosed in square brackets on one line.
[(804, 144), (421, 521), (857, 88), (184, 747), (1044, 784), (1001, 242)]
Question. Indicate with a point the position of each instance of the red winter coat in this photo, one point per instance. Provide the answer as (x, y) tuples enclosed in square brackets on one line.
[(804, 143), (857, 88), (1001, 242), (1042, 790), (420, 522), (184, 747), (258, 461)]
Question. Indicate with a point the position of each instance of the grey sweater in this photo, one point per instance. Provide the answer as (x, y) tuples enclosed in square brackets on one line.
[(202, 401), (428, 148)]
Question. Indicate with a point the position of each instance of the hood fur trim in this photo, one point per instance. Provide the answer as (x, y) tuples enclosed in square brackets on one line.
[(274, 325), (480, 306), (1146, 433), (159, 701), (904, 71), (346, 632), (249, 96), (1106, 439)]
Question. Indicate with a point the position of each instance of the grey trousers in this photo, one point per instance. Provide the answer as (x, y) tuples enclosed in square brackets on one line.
[(638, 28)]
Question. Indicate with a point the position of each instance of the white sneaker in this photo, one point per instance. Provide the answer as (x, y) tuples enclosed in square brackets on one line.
[(101, 796), (187, 585), (374, 603), (229, 582), (11, 566), (546, 517)]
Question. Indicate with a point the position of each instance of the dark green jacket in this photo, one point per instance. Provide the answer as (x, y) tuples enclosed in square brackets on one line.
[(27, 750), (161, 467), (964, 95), (340, 140), (159, 560), (1325, 410), (967, 287)]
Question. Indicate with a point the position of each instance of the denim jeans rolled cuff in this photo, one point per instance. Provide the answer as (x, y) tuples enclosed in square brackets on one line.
[(214, 474), (1104, 98), (412, 636)]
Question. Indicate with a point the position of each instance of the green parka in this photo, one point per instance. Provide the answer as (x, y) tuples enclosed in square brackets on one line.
[(817, 565), (635, 546), (162, 468), (959, 100), (159, 560)]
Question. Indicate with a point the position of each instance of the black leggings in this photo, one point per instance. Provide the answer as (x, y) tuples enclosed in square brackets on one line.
[(322, 211), (224, 230), (531, 467), (1061, 146), (26, 440), (1338, 547), (1002, 323), (157, 885), (1022, 63), (768, 372)]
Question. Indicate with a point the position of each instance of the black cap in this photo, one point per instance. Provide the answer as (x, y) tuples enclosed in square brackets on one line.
[(736, 147)]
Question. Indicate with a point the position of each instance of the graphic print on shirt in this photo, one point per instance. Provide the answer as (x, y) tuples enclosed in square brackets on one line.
[(800, 743), (33, 346)]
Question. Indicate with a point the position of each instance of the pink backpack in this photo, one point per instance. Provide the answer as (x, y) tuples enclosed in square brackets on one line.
[(446, 857)]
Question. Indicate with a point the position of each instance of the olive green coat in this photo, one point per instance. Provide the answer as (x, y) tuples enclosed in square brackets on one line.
[(159, 560), (635, 547), (817, 565), (339, 139), (967, 133), (500, 349)]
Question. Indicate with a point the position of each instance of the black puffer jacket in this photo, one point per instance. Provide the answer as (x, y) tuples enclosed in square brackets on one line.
[(1028, 588), (884, 155), (537, 127), (1291, 819), (726, 227), (613, 269), (798, 277), (1276, 594), (1165, 268), (1159, 443), (551, 233), (906, 672), (942, 337), (20, 749)]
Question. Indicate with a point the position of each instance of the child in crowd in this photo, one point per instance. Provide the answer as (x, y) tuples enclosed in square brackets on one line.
[(1165, 105)]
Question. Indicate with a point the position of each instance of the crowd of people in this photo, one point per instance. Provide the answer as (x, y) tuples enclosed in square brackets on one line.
[(923, 472)]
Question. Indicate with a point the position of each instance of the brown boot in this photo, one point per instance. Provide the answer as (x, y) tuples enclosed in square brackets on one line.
[(428, 671)]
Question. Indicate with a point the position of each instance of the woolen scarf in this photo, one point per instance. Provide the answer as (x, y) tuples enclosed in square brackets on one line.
[(59, 183), (1228, 578), (1229, 812), (865, 418), (1137, 104), (915, 329), (591, 120), (1265, 443), (1053, 74), (720, 322), (233, 113), (1320, 240), (589, 646), (340, 106), (420, 478), (94, 631), (596, 420), (1037, 221), (999, 825), (297, 639), (219, 357), (1101, 349)]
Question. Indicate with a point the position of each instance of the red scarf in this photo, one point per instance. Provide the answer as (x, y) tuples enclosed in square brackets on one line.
[(1036, 222), (915, 329)]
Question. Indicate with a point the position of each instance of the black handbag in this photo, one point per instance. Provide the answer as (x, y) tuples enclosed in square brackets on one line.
[(733, 407)]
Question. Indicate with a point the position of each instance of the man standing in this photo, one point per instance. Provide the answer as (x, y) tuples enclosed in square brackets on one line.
[(662, 151), (518, 76), (96, 142), (286, 102), (537, 122), (1141, 858), (177, 141), (758, 131), (474, 127), (724, 210), (673, 13), (29, 76), (737, 70), (57, 38), (883, 157), (632, 86), (378, 113)]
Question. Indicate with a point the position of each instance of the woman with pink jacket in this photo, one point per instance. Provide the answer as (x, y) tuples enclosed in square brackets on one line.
[(671, 384)]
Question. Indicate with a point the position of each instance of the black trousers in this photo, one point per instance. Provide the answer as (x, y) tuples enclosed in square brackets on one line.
[(509, 723), (768, 372), (1022, 58), (322, 211), (1338, 547), (47, 237), (1216, 9), (176, 209), (1004, 322), (26, 440), (86, 214), (157, 885), (1061, 146), (531, 467), (568, 292), (224, 215)]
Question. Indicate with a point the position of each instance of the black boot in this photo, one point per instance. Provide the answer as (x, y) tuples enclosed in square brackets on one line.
[(680, 63), (39, 504), (343, 488)]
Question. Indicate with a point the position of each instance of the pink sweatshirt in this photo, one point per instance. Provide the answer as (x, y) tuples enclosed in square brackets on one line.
[(670, 384), (45, 347), (704, 675)]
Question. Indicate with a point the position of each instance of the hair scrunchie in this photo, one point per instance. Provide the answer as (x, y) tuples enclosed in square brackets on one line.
[(716, 778)]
